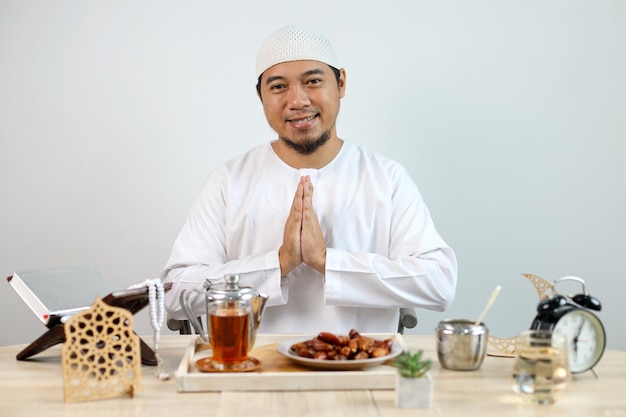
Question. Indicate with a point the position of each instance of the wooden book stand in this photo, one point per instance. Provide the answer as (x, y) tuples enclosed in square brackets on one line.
[(132, 300)]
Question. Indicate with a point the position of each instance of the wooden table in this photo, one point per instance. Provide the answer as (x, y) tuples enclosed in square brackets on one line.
[(35, 388)]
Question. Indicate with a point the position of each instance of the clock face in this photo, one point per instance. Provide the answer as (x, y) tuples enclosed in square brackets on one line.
[(586, 337)]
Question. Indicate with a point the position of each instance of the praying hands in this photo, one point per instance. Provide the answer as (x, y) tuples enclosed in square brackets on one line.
[(303, 240)]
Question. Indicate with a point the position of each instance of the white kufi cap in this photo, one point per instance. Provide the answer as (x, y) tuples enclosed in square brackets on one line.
[(295, 43)]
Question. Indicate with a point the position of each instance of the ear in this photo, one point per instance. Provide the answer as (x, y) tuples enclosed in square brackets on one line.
[(342, 83), (258, 88)]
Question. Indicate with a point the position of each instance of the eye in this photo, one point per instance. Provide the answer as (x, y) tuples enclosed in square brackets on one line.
[(277, 87), (314, 81)]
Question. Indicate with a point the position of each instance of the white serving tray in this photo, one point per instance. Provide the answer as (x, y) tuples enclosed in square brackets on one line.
[(277, 372)]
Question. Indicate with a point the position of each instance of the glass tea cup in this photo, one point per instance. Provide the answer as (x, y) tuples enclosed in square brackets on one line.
[(229, 327), (541, 370)]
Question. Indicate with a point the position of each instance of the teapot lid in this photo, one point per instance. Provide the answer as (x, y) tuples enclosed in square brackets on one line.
[(229, 289)]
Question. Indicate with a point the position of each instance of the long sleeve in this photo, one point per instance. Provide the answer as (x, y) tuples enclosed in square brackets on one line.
[(385, 250), (418, 270)]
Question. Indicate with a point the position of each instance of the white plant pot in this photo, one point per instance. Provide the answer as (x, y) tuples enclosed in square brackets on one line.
[(414, 392)]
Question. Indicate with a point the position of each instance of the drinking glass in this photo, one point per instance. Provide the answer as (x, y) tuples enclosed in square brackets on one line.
[(541, 370)]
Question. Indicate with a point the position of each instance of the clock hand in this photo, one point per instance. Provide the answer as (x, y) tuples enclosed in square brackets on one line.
[(576, 340), (580, 329)]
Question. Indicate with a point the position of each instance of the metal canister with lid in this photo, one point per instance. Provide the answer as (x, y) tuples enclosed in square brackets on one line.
[(461, 344)]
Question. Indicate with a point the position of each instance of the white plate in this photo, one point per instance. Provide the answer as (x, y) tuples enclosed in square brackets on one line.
[(284, 348)]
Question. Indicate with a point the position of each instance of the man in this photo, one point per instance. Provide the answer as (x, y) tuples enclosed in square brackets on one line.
[(337, 236)]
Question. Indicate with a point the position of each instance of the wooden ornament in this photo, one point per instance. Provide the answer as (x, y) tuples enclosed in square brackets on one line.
[(101, 355), (499, 346)]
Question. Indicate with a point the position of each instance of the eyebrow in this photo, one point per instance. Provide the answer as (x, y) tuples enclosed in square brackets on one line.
[(316, 71)]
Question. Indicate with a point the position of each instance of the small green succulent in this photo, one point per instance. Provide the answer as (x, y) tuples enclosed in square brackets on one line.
[(411, 365)]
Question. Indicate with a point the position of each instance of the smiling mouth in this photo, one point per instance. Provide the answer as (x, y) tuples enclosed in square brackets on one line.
[(300, 122)]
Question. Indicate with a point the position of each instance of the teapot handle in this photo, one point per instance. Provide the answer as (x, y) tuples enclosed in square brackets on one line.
[(185, 303)]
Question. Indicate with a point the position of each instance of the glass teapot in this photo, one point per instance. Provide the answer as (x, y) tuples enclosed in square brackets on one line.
[(217, 292)]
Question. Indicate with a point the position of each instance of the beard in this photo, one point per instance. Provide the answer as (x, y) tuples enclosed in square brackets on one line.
[(308, 146)]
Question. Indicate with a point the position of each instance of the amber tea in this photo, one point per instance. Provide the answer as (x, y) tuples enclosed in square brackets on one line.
[(229, 335)]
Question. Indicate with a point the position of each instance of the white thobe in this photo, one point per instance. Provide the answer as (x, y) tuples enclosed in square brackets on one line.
[(383, 251)]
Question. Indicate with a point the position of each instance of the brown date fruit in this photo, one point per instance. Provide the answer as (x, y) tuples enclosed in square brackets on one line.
[(305, 352), (345, 351), (364, 343), (329, 346), (300, 345), (329, 338), (320, 345), (322, 356), (353, 345), (361, 355), (379, 352)]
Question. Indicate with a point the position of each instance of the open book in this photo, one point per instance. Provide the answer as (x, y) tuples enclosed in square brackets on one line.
[(56, 293)]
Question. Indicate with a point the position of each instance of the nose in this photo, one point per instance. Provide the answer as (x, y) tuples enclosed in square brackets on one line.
[(298, 97)]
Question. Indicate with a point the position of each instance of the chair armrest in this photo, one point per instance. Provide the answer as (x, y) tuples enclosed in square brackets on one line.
[(408, 317), (174, 324), (183, 326)]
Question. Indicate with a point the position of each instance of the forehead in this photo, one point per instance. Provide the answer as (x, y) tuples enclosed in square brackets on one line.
[(296, 69)]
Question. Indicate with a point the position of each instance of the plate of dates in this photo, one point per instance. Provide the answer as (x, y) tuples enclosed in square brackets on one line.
[(340, 352)]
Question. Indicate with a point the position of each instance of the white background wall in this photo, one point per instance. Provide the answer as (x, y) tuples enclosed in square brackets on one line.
[(510, 115)]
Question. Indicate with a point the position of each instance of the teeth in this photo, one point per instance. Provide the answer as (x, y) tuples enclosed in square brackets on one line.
[(303, 120)]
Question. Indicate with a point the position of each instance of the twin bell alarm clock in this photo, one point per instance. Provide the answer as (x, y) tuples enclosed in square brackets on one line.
[(574, 316)]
